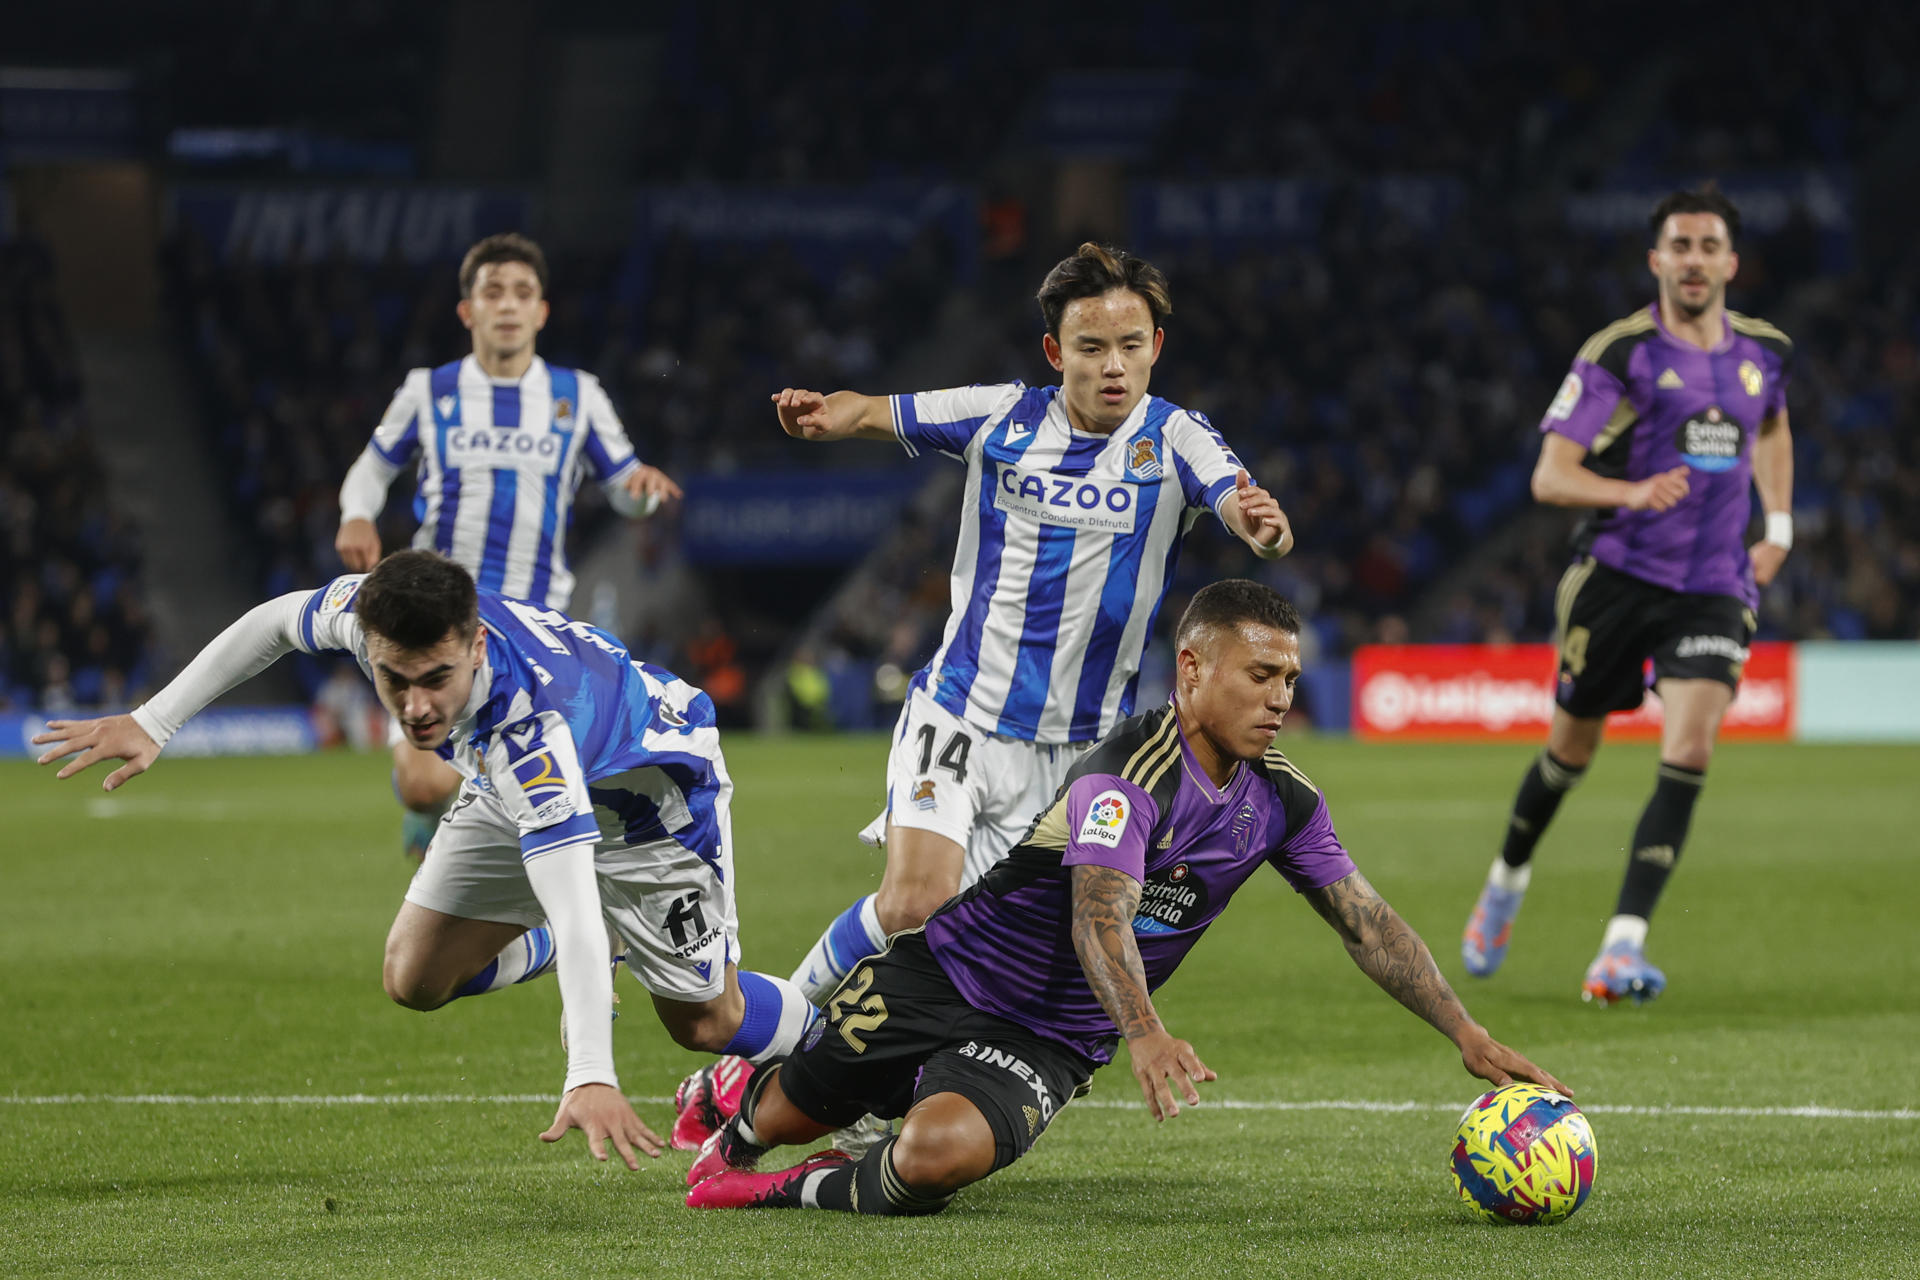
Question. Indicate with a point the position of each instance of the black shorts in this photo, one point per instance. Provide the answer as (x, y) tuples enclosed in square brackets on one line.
[(897, 1031), (1610, 623)]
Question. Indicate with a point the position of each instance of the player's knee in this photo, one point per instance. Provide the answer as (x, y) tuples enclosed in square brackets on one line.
[(938, 1155), (411, 985), (428, 795), (707, 1028), (907, 906), (1689, 753)]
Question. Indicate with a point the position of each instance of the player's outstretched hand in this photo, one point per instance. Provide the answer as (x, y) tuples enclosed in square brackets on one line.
[(1160, 1062), (803, 414), (108, 738), (1658, 493), (1767, 558), (651, 486), (1499, 1066), (601, 1112), (358, 543), (1261, 516)]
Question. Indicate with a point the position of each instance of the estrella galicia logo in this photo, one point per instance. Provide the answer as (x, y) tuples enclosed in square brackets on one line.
[(1171, 899), (1711, 441)]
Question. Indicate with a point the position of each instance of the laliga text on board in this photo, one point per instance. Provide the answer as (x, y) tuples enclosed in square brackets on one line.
[(1506, 691)]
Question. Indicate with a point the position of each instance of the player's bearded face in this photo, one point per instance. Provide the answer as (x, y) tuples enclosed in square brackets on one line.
[(426, 689), (1105, 354), (1237, 685), (505, 309), (1693, 261)]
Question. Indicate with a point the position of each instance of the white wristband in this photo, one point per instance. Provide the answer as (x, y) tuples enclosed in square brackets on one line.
[(1780, 529)]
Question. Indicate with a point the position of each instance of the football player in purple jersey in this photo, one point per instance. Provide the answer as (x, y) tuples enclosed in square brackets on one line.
[(980, 1026), (1668, 420)]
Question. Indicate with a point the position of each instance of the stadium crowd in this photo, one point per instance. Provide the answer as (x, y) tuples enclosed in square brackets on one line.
[(74, 630), (1382, 374)]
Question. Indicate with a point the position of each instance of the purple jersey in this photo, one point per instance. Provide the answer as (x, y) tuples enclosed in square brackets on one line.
[(1642, 401), (1138, 803)]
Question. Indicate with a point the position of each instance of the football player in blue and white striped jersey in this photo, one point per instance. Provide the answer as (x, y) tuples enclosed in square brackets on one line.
[(596, 801), (1077, 498), (501, 440)]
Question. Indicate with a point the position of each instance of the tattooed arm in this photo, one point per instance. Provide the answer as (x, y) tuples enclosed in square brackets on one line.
[(1388, 950), (1104, 901)]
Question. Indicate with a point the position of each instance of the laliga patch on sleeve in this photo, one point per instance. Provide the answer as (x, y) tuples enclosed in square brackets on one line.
[(340, 594), (1106, 820), (1569, 395)]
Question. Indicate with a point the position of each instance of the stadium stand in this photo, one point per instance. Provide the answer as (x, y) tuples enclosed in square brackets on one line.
[(75, 630)]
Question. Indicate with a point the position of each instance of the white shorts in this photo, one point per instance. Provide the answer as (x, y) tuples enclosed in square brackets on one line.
[(978, 789), (672, 908)]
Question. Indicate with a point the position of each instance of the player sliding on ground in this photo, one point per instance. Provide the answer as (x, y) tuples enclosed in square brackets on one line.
[(1077, 499), (982, 1025), (594, 784), (1669, 419)]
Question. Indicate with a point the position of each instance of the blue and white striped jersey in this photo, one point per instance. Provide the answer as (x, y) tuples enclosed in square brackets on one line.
[(499, 464), (578, 738), (1067, 543)]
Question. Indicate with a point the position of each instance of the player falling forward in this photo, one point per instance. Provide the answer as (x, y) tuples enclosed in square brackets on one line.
[(502, 440), (980, 1027), (594, 784), (1666, 419)]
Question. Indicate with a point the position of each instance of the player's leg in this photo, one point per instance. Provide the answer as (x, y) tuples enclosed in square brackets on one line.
[(755, 1017), (933, 793), (1694, 710), (470, 923), (433, 958), (1598, 670), (979, 1101), (1697, 666), (674, 908), (425, 785)]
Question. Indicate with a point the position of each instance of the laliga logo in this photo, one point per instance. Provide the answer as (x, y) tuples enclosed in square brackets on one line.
[(1392, 701), (1108, 812)]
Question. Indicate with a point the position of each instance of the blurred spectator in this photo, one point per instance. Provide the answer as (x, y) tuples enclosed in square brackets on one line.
[(75, 631)]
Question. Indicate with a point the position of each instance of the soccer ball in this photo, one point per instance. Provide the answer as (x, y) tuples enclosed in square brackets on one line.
[(1523, 1154)]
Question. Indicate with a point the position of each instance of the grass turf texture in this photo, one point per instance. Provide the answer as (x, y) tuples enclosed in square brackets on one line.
[(215, 929)]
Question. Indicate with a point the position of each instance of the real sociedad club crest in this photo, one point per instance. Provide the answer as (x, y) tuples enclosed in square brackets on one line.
[(563, 410), (1143, 460)]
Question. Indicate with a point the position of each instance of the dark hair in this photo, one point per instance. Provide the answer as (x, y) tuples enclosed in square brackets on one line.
[(508, 246), (1703, 199), (414, 598), (1095, 270), (1232, 601)]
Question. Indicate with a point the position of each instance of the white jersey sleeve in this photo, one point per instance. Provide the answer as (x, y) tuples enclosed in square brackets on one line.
[(261, 637), (953, 420), (1206, 466), (533, 766), (609, 453), (327, 621)]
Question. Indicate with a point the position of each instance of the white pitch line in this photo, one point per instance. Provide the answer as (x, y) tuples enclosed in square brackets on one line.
[(1807, 1112)]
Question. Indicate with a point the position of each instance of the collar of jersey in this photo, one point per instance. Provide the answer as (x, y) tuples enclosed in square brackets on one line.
[(482, 688), (1726, 334), (1127, 426), (1215, 795)]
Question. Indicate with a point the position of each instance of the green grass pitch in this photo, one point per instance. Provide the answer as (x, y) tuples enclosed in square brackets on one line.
[(211, 936)]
